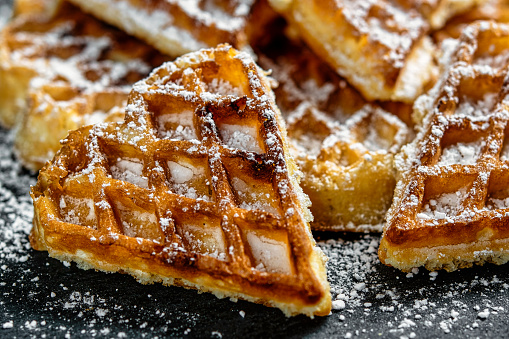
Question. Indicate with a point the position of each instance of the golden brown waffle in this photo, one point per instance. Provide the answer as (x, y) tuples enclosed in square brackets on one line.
[(343, 145), (61, 69), (177, 27), (380, 48), (497, 10), (437, 12), (451, 203), (194, 189)]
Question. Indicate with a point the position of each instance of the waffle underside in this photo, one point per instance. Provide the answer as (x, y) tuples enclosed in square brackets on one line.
[(448, 257), (137, 258)]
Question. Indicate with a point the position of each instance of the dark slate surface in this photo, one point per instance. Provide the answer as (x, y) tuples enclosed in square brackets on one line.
[(42, 297)]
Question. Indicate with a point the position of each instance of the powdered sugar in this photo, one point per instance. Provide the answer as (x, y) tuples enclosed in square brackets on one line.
[(269, 254), (213, 15), (176, 126), (254, 196), (83, 68), (16, 209), (222, 87), (498, 203), (370, 300), (497, 61), (445, 205), (462, 153), (206, 238), (360, 15), (129, 170), (240, 136), (480, 108)]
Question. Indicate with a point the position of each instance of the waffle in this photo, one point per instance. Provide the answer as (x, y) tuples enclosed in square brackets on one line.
[(177, 27), (497, 10), (451, 203), (194, 189), (61, 69), (380, 48), (437, 12), (343, 145)]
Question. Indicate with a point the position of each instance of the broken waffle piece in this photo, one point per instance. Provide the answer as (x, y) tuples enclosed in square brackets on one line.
[(61, 69), (379, 47), (176, 27), (194, 189), (451, 205), (343, 145)]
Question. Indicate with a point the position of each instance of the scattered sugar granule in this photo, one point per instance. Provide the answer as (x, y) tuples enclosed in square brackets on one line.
[(101, 312), (483, 314), (433, 275), (8, 324), (338, 305), (360, 286)]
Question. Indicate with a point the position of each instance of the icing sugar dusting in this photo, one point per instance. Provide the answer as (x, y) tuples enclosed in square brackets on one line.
[(478, 108), (242, 137), (129, 170), (397, 33), (445, 205), (461, 153)]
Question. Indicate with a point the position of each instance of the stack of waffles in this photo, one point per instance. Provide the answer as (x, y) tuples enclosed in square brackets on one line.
[(206, 172)]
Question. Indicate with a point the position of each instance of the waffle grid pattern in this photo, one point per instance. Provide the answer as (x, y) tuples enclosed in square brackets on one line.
[(63, 70), (455, 188), (129, 182), (343, 144)]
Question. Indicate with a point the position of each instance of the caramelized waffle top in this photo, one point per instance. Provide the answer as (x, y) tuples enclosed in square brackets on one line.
[(61, 69), (195, 188), (379, 47), (177, 26), (451, 207), (343, 145)]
